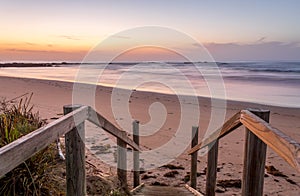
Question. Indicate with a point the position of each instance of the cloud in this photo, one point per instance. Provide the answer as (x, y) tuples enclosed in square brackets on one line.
[(16, 46), (25, 50), (261, 39), (197, 45), (16, 54), (30, 44), (70, 37), (120, 37), (255, 51), (35, 44), (38, 51)]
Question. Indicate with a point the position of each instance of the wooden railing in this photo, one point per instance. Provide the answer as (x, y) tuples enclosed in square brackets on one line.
[(259, 135), (72, 126)]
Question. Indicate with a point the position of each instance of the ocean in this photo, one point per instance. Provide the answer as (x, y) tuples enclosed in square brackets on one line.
[(270, 83)]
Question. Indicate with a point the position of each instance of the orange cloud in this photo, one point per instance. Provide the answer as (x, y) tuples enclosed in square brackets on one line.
[(31, 51)]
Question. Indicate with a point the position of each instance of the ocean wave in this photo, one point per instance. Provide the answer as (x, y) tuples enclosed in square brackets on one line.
[(276, 70)]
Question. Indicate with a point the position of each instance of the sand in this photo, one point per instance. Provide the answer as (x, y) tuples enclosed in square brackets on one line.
[(50, 96)]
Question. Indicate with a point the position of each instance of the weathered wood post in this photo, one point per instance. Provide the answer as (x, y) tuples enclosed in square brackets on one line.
[(194, 156), (75, 157), (254, 159), (211, 172), (122, 162), (136, 155)]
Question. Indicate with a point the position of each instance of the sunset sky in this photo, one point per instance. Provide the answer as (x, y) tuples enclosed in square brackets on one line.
[(53, 30)]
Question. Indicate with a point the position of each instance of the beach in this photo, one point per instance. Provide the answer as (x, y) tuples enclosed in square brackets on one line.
[(148, 76), (49, 96)]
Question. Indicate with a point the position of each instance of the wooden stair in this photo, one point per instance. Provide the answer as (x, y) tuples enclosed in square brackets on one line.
[(162, 191)]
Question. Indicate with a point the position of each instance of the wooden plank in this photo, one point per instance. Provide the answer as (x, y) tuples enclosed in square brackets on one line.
[(164, 191), (100, 121), (23, 148), (137, 189), (254, 160), (194, 157), (282, 144), (192, 190), (211, 173), (122, 162), (75, 157), (230, 125), (136, 155)]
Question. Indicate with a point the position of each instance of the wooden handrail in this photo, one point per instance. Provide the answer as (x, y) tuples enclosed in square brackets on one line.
[(230, 125), (15, 153), (282, 144), (20, 150), (259, 135), (23, 148), (100, 121)]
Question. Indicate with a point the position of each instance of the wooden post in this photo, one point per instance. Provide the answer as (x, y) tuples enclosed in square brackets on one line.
[(194, 156), (136, 155), (254, 160), (211, 172), (122, 163), (75, 157)]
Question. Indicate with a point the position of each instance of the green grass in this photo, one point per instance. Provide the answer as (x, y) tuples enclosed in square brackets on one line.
[(36, 175)]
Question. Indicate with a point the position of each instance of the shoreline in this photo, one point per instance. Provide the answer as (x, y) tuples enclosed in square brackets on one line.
[(50, 96), (229, 101), (265, 86)]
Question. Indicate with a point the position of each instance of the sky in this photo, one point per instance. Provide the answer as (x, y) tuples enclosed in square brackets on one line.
[(231, 30)]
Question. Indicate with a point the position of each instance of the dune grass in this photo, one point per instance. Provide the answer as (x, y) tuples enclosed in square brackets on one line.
[(35, 176), (44, 173)]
